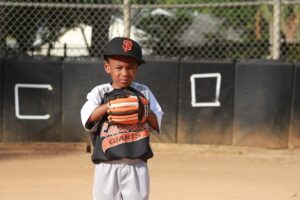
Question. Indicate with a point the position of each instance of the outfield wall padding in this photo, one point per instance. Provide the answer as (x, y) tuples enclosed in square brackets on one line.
[(37, 84), (246, 103), (162, 77), (262, 106), (79, 78), (206, 93), (1, 97), (294, 139)]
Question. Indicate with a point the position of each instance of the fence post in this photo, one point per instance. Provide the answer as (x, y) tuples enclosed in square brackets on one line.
[(276, 30), (126, 15), (65, 50), (3, 49)]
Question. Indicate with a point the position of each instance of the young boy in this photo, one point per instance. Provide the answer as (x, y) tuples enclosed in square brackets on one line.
[(120, 151)]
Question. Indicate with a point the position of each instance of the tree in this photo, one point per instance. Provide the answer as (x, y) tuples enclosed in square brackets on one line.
[(24, 23), (289, 22)]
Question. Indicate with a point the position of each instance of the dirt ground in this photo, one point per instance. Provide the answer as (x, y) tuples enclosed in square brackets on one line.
[(43, 171)]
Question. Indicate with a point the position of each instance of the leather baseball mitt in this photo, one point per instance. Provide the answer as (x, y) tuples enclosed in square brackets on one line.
[(127, 107)]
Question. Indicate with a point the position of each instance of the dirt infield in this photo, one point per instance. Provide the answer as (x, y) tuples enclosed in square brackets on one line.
[(64, 171)]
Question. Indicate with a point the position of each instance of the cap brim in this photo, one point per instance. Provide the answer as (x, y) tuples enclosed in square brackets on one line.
[(140, 61)]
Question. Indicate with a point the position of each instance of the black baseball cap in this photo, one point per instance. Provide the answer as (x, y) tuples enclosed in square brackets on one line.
[(122, 46)]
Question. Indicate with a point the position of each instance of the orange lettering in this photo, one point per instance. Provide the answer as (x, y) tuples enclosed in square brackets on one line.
[(116, 140)]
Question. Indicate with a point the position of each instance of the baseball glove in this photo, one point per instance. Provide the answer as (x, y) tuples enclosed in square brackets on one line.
[(126, 107)]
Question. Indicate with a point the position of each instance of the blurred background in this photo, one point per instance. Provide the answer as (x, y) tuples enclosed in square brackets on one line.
[(261, 29), (230, 68)]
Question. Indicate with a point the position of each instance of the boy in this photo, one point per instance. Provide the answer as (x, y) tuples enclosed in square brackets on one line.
[(121, 150)]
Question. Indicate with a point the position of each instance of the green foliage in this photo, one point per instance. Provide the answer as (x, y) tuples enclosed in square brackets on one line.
[(197, 1), (165, 31), (25, 23)]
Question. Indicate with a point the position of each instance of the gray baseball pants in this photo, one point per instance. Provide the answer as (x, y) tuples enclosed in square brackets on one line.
[(121, 180)]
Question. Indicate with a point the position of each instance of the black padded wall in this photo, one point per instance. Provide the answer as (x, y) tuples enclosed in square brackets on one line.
[(1, 97), (162, 78), (79, 78), (252, 103), (206, 94), (32, 100), (294, 139), (262, 104)]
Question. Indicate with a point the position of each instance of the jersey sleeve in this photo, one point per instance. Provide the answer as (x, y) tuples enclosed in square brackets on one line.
[(155, 107), (93, 101)]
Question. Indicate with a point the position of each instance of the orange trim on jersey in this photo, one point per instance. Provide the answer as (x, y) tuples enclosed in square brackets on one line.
[(123, 138)]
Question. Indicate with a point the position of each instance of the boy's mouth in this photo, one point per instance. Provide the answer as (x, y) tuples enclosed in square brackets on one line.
[(124, 81)]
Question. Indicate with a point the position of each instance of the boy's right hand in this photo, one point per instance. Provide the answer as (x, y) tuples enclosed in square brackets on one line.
[(99, 112)]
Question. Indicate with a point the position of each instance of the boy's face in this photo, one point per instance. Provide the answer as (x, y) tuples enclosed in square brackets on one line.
[(122, 70)]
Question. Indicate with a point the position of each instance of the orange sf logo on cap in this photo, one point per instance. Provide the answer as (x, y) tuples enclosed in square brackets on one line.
[(127, 45)]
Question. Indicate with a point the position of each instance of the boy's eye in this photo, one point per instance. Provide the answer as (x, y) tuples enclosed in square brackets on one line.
[(131, 67)]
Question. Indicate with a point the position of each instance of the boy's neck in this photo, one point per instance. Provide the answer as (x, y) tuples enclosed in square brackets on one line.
[(117, 87)]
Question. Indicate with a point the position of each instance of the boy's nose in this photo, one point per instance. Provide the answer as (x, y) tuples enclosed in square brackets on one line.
[(124, 72)]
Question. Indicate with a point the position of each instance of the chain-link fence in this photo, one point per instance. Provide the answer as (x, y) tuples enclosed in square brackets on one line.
[(209, 29)]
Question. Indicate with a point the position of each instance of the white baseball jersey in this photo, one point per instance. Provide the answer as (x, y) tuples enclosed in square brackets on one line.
[(95, 97)]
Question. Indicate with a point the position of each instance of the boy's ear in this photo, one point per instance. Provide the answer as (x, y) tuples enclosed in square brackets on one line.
[(106, 67)]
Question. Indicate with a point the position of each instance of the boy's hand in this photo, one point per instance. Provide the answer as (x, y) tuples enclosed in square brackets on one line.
[(99, 112), (152, 120)]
